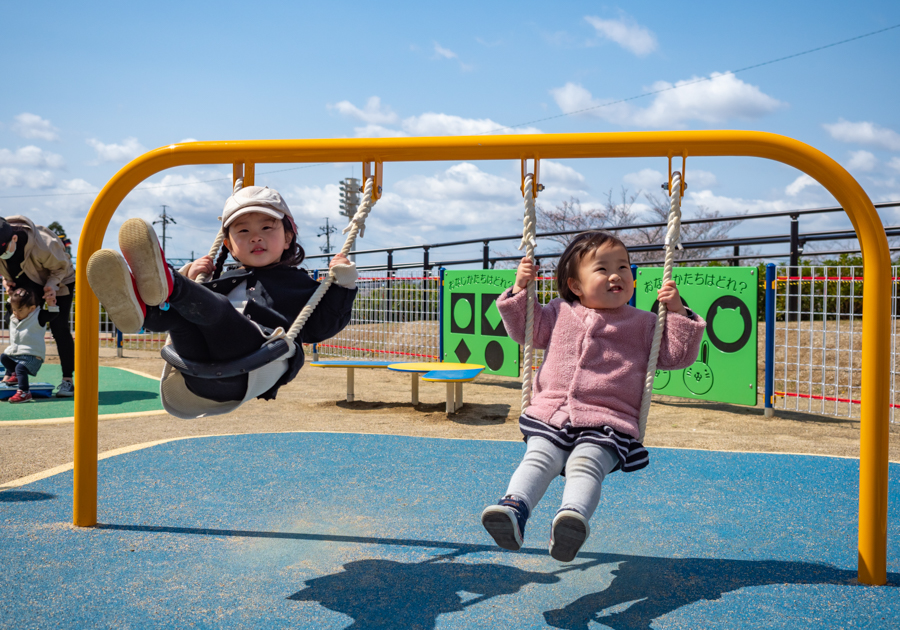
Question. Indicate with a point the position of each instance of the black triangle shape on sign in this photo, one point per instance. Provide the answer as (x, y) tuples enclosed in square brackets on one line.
[(462, 351)]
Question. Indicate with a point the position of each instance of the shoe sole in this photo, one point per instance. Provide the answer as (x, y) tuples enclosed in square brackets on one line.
[(72, 395), (110, 281), (140, 247), (567, 537), (502, 528), (18, 402)]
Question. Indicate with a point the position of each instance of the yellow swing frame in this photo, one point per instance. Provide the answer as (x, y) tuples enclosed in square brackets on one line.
[(244, 155)]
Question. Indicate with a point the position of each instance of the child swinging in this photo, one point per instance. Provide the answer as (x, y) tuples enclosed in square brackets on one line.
[(231, 315)]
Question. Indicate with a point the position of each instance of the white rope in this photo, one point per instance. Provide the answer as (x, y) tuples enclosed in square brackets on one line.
[(673, 241), (357, 226), (529, 243), (220, 237)]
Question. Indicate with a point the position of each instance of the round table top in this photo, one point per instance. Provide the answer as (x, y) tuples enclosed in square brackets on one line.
[(361, 363), (428, 367)]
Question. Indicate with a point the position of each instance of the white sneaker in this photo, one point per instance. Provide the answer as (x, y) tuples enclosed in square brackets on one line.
[(567, 534), (112, 283), (140, 247)]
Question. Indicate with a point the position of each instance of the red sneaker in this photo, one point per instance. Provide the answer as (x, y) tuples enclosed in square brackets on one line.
[(21, 397), (142, 250), (11, 379)]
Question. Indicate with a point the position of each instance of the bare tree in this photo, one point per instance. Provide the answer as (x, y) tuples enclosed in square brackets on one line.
[(659, 212), (615, 213)]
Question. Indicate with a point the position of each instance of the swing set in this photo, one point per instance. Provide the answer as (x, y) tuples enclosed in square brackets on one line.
[(374, 153)]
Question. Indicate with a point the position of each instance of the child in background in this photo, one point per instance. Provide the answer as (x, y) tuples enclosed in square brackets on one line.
[(583, 417), (232, 314), (27, 349)]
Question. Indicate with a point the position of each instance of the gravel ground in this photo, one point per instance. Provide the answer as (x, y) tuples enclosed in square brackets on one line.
[(315, 401)]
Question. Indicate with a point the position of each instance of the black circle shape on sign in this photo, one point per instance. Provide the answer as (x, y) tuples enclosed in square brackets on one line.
[(655, 308), (728, 301), (493, 355)]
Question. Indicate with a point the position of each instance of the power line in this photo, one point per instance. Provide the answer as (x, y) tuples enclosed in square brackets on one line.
[(205, 181), (531, 122), (695, 81)]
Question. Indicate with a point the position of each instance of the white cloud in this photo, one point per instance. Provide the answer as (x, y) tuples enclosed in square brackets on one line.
[(795, 187), (895, 163), (373, 113), (864, 133), (651, 180), (862, 161), (721, 98), (556, 174), (33, 126), (190, 193), (15, 178), (377, 131), (31, 156), (460, 181), (432, 124), (446, 53), (626, 33), (646, 179), (128, 150)]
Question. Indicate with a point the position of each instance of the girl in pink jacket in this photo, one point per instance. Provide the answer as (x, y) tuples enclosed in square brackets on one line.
[(583, 417)]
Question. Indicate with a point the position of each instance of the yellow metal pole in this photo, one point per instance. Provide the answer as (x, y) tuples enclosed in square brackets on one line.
[(869, 230)]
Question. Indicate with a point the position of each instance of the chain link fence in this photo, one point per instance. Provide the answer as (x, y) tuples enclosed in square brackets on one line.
[(818, 340)]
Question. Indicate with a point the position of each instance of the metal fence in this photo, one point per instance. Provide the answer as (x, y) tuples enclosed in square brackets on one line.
[(817, 334), (818, 340)]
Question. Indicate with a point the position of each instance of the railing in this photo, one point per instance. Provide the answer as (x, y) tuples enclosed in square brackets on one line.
[(794, 238)]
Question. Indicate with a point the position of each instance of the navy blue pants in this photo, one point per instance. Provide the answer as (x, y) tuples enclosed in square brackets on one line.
[(205, 327), (18, 368)]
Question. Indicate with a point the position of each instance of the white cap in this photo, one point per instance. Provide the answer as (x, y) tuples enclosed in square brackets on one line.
[(255, 199)]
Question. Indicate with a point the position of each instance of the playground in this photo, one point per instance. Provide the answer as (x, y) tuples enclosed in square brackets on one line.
[(244, 525)]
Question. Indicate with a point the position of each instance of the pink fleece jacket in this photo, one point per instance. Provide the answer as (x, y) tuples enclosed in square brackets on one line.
[(595, 361)]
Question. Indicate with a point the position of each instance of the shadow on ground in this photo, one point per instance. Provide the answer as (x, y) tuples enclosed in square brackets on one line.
[(380, 593), (20, 496)]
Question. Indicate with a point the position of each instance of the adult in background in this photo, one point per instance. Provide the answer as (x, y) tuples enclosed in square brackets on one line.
[(33, 257)]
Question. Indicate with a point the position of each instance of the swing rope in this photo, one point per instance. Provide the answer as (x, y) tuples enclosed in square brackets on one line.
[(529, 243), (220, 237), (356, 226), (673, 242)]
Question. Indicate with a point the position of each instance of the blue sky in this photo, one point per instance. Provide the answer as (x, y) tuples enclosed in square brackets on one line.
[(88, 87)]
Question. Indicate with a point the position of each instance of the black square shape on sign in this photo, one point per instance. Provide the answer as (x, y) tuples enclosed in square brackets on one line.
[(487, 299)]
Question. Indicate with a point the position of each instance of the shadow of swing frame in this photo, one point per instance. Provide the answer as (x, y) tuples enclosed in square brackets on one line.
[(245, 154)]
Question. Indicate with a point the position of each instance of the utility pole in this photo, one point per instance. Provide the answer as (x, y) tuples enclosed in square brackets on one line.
[(326, 231), (165, 219)]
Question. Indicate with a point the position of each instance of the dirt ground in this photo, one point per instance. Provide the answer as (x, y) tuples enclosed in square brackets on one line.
[(315, 401)]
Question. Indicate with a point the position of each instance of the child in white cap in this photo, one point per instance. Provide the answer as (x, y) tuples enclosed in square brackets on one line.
[(231, 315)]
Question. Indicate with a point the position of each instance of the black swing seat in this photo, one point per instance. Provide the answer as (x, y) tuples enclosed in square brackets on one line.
[(268, 352)]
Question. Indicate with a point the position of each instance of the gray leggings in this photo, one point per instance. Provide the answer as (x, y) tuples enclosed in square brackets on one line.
[(586, 466)]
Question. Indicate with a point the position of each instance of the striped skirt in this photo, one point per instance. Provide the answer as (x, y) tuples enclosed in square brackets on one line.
[(632, 454)]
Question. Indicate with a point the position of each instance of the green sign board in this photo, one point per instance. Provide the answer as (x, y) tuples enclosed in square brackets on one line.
[(472, 329), (726, 298)]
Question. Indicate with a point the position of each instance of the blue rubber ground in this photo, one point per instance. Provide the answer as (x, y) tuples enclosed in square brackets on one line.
[(363, 531)]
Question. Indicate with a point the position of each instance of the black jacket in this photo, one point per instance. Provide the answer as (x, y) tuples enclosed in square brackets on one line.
[(276, 295)]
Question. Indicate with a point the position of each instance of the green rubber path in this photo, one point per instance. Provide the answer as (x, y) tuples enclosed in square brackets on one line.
[(120, 392)]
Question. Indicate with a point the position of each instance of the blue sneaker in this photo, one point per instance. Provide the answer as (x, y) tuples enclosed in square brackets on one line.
[(568, 532), (66, 389), (505, 522)]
